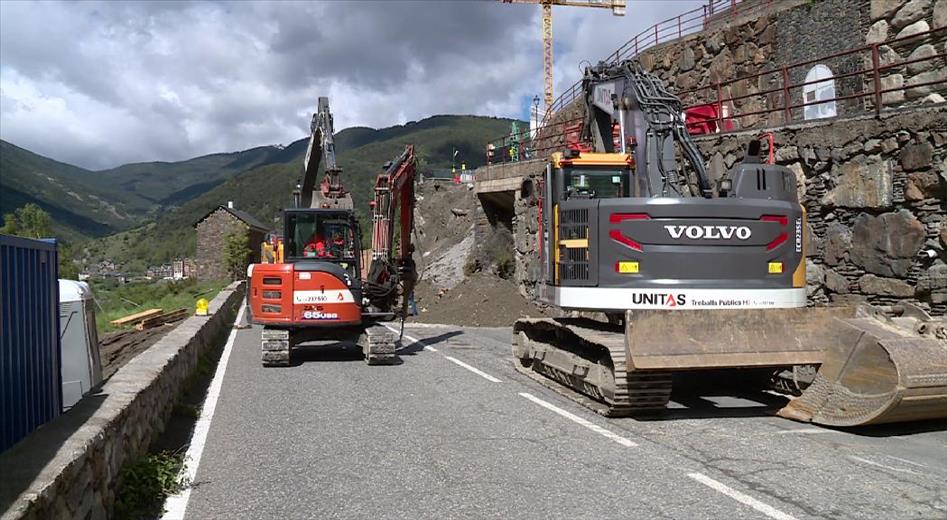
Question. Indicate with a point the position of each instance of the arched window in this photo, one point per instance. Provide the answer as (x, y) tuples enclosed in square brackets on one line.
[(819, 91)]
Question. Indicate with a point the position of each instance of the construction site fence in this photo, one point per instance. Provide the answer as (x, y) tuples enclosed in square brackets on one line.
[(714, 12), (864, 84)]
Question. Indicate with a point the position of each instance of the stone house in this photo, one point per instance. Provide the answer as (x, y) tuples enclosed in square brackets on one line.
[(211, 230)]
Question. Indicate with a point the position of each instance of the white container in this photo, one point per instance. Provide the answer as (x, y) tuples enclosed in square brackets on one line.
[(81, 365)]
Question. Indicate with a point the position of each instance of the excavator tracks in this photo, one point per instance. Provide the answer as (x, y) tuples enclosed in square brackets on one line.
[(379, 345), (585, 361), (275, 347)]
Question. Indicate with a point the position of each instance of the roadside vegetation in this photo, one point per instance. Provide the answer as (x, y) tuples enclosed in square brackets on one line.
[(30, 221), (144, 484), (116, 300)]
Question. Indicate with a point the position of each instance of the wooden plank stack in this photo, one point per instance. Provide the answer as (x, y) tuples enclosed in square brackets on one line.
[(161, 319), (150, 318), (133, 318)]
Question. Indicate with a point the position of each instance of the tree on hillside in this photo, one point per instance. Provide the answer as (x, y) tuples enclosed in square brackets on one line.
[(30, 221)]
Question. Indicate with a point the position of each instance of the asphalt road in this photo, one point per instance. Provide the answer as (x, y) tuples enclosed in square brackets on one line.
[(455, 432)]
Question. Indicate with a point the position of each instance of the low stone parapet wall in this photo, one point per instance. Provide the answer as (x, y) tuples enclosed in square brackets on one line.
[(69, 467)]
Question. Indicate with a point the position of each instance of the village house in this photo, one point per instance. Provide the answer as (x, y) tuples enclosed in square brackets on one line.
[(211, 230)]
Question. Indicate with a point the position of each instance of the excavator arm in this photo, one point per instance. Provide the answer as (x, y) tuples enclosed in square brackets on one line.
[(330, 193), (394, 192), (649, 117)]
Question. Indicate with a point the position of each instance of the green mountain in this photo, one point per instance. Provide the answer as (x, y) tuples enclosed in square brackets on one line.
[(84, 203), (165, 184), (265, 188), (75, 198)]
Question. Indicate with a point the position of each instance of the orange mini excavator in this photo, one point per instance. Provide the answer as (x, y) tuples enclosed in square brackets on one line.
[(314, 290)]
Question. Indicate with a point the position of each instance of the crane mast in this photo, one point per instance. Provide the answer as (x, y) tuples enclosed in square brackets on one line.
[(617, 7)]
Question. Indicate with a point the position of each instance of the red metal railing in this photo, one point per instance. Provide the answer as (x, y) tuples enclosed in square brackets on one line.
[(691, 22), (756, 109)]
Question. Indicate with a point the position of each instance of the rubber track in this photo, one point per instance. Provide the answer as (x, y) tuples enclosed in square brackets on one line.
[(275, 348), (380, 346), (634, 393)]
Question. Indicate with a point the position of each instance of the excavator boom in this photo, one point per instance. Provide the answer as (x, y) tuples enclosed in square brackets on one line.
[(330, 193)]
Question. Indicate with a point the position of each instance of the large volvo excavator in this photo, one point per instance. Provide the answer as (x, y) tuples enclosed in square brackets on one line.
[(313, 289), (694, 275)]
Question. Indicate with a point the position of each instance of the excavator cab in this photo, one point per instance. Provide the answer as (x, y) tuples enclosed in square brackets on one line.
[(324, 236)]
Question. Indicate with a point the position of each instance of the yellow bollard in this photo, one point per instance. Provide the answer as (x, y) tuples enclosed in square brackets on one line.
[(201, 308)]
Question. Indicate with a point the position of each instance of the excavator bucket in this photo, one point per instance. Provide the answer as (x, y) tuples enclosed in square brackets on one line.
[(877, 365), (895, 371)]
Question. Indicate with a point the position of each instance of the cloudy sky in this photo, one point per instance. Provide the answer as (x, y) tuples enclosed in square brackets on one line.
[(99, 84)]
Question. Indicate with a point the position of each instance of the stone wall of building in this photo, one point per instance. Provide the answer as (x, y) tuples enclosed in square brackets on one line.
[(209, 258), (875, 192), (69, 468)]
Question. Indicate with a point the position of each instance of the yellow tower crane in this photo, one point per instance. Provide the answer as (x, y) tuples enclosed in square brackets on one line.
[(617, 7)]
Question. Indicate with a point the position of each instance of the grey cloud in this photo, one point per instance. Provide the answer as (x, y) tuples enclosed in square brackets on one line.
[(138, 81)]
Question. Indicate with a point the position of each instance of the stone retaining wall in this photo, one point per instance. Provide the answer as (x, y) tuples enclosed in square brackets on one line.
[(69, 467)]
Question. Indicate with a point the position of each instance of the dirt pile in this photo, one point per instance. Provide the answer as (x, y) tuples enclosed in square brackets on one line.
[(463, 282), (444, 232), (480, 300)]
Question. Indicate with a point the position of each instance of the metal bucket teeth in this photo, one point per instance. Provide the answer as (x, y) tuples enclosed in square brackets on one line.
[(890, 374)]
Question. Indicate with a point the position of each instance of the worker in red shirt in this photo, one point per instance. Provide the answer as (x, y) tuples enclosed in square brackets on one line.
[(316, 247), (338, 244)]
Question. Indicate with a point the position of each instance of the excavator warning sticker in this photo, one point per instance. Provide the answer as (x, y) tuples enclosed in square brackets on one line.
[(331, 296)]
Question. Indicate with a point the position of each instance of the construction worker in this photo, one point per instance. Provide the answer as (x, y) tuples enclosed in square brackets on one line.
[(338, 244), (316, 247)]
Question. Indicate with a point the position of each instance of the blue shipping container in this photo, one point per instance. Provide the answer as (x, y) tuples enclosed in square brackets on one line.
[(30, 384)]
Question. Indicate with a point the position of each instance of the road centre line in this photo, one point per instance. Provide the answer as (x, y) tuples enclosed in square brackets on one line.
[(906, 461), (876, 464), (805, 431), (454, 360), (412, 339), (175, 506), (578, 420), (475, 370), (766, 509)]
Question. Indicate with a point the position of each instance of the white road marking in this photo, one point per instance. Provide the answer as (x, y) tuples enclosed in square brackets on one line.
[(806, 431), (906, 461), (578, 420), (175, 506), (873, 463), (412, 339), (475, 370), (766, 509)]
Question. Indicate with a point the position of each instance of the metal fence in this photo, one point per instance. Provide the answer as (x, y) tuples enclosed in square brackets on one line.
[(872, 79), (866, 84), (691, 22), (30, 382)]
